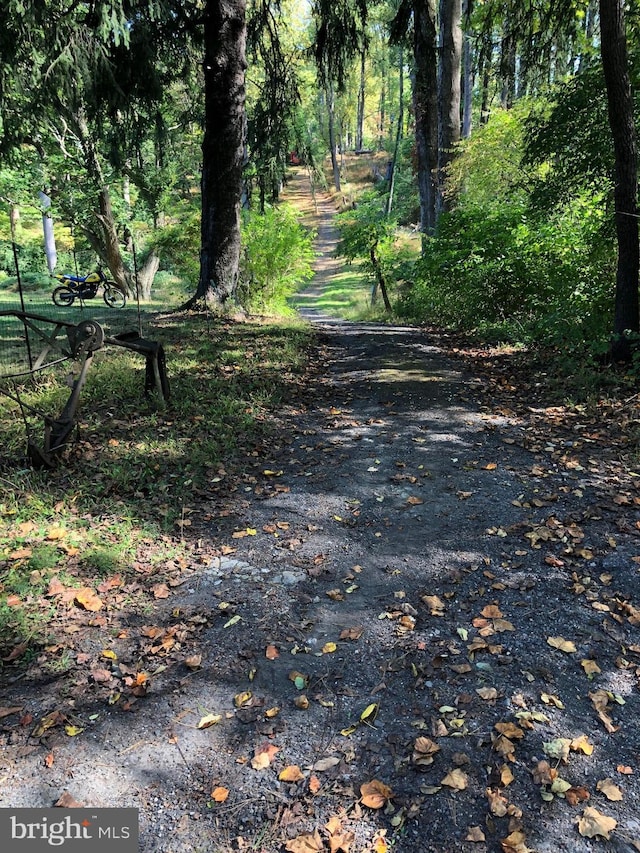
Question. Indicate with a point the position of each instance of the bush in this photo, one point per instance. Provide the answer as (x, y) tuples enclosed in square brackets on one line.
[(277, 258)]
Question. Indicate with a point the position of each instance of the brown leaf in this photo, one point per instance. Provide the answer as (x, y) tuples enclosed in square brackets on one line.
[(160, 590), (491, 611), (66, 801), (271, 652), (515, 843), (609, 789), (487, 693), (375, 794), (193, 662), (544, 774), (560, 643), (314, 784), (600, 699), (305, 843), (456, 779), (435, 604), (593, 824), (353, 633), (575, 796), (510, 730), (475, 833), (220, 794), (264, 756)]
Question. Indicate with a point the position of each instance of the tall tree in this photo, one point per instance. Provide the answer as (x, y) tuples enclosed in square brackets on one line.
[(448, 93), (224, 66), (426, 108), (613, 45)]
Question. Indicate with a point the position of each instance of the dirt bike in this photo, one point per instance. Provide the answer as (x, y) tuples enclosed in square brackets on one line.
[(83, 287)]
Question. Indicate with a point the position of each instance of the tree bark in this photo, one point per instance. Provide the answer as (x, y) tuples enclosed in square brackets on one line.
[(222, 148), (467, 72), (449, 94), (361, 100), (426, 109), (615, 64), (333, 145)]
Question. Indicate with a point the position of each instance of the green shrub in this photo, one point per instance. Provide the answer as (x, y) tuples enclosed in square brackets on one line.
[(277, 257)]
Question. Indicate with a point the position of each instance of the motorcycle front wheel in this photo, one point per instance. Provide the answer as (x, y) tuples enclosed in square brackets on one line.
[(113, 297), (63, 297)]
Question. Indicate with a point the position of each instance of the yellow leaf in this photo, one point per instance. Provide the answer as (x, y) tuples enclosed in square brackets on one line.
[(590, 667), (562, 644), (87, 599), (328, 648), (56, 532), (375, 794), (609, 789), (109, 654), (506, 775), (593, 823), (456, 779), (242, 699), (370, 712), (581, 744), (72, 731), (301, 702), (219, 795), (291, 773), (208, 720), (272, 712)]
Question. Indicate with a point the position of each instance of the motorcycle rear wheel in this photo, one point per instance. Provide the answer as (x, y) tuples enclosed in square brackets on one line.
[(63, 297)]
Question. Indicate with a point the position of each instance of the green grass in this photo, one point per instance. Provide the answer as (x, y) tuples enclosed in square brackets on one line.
[(347, 295), (137, 469)]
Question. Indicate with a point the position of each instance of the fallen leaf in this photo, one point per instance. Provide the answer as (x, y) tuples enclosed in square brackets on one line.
[(424, 750), (240, 700), (370, 713), (219, 795), (329, 648), (291, 773), (375, 794), (487, 693), (600, 700), (575, 796), (515, 843), (581, 744), (193, 662), (609, 789), (264, 756), (435, 604), (7, 711), (66, 801), (314, 784), (87, 599), (475, 833), (305, 843), (160, 590), (557, 749), (456, 779), (593, 823), (562, 644), (498, 804), (208, 720), (590, 667), (352, 633), (271, 653)]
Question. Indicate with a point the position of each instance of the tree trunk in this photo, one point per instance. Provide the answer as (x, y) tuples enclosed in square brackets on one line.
[(222, 148), (467, 72), (361, 99), (111, 253), (394, 161), (426, 109), (333, 146), (383, 99), (615, 64), (449, 94), (147, 274)]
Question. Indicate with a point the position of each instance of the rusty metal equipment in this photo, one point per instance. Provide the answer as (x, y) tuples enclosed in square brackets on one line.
[(59, 341)]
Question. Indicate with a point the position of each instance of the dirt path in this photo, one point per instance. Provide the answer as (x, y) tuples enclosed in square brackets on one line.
[(380, 611)]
